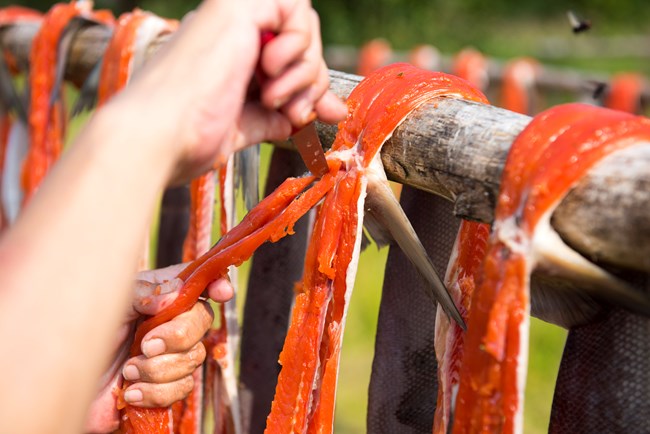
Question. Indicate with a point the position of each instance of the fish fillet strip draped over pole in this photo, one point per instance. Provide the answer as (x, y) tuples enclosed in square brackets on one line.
[(554, 151)]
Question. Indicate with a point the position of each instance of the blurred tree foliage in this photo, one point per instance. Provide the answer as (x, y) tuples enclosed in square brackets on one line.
[(409, 21), (502, 28)]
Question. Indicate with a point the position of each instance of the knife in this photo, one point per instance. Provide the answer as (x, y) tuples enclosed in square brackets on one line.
[(311, 151), (305, 139)]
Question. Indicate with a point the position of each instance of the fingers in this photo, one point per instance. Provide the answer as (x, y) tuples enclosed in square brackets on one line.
[(154, 290), (221, 290), (299, 80), (181, 333), (291, 60), (317, 101), (165, 368), (160, 275), (330, 109), (292, 90), (285, 49), (171, 353), (150, 297), (159, 395)]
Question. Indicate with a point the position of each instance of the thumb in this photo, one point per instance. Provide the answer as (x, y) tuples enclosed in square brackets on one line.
[(150, 298)]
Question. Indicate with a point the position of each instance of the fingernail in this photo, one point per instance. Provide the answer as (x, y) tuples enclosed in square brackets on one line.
[(153, 347), (131, 373), (133, 395), (279, 102), (308, 115)]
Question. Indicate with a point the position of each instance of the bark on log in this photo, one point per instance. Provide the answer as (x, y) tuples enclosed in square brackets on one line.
[(457, 149)]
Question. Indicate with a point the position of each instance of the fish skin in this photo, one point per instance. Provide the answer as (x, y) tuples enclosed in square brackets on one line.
[(16, 149), (603, 384), (403, 383), (275, 270), (65, 44), (558, 301), (88, 93), (10, 100), (247, 168)]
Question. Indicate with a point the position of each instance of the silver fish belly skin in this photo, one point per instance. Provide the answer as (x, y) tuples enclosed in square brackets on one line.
[(403, 384)]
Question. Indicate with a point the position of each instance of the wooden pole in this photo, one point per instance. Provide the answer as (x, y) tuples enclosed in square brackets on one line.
[(457, 149)]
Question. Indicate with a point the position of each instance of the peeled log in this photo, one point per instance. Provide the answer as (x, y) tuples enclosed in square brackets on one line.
[(457, 149)]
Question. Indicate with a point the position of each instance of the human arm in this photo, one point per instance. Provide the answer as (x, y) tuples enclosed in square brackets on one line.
[(67, 263)]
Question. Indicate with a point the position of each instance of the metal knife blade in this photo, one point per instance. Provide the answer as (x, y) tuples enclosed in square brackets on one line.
[(310, 148)]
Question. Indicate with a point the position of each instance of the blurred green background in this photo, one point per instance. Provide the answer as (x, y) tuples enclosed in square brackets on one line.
[(501, 29)]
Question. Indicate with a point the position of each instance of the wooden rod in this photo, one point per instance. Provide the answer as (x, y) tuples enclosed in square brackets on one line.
[(457, 149)]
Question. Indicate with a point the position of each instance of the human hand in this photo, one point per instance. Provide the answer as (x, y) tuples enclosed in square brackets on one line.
[(171, 351), (195, 89)]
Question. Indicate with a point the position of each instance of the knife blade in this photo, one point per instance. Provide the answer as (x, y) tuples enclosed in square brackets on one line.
[(311, 151)]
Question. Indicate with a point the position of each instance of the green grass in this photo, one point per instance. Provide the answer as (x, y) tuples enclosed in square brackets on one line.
[(546, 345)]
